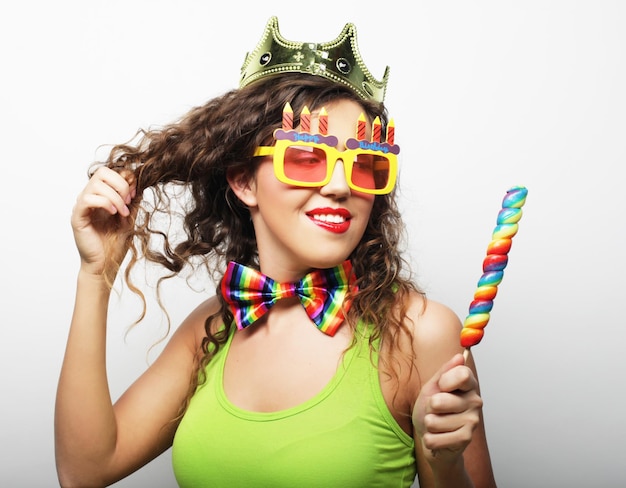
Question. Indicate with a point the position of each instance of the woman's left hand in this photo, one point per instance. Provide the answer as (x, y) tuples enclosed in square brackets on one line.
[(447, 411)]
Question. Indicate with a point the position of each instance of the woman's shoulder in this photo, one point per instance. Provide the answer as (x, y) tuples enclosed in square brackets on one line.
[(193, 327), (435, 330), (430, 318)]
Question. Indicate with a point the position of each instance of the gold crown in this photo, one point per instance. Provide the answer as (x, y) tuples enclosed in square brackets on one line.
[(338, 60)]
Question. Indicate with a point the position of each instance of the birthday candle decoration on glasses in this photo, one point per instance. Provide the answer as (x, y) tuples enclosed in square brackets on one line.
[(391, 132), (287, 117), (360, 127), (305, 120), (376, 130), (493, 267), (323, 122)]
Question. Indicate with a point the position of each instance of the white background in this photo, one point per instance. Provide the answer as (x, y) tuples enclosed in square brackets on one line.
[(485, 95)]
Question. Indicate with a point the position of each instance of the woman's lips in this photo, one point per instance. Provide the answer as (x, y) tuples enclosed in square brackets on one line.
[(335, 220)]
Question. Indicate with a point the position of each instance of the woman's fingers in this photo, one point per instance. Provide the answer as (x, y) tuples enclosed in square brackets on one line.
[(113, 186), (102, 211), (107, 191)]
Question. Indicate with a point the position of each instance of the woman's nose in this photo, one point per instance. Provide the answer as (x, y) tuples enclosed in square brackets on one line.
[(338, 185)]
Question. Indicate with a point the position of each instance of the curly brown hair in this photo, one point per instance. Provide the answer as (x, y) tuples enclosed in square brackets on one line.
[(196, 152)]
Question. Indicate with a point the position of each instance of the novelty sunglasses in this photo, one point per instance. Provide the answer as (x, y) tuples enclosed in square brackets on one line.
[(308, 160)]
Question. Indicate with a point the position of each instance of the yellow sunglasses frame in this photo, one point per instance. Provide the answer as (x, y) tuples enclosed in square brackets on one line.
[(332, 154)]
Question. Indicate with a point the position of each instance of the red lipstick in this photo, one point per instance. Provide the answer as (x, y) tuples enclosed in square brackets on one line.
[(335, 220)]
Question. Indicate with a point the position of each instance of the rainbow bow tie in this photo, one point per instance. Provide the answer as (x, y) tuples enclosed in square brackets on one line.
[(250, 294)]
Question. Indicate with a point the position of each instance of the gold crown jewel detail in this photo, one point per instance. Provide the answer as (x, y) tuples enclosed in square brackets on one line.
[(338, 60)]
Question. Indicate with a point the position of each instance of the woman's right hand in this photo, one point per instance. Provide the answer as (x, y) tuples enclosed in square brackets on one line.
[(101, 218)]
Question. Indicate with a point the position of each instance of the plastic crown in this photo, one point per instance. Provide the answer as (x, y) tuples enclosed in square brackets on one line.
[(338, 60)]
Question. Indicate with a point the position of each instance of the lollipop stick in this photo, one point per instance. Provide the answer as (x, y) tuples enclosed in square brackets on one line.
[(466, 352)]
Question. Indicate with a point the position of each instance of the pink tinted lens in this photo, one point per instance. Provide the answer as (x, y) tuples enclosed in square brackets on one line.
[(370, 171), (305, 163)]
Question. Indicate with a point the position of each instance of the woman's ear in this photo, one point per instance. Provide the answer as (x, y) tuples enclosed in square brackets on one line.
[(243, 186)]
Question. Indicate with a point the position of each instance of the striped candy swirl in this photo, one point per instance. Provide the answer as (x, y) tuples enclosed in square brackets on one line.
[(494, 264)]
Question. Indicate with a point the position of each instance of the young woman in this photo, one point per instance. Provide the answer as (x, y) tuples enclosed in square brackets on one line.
[(361, 383)]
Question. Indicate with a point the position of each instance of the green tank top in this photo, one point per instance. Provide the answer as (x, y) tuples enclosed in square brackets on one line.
[(343, 437)]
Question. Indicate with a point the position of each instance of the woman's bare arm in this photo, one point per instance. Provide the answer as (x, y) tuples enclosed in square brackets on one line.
[(450, 442)]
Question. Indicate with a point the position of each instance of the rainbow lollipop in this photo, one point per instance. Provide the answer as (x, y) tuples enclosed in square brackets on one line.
[(493, 267)]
